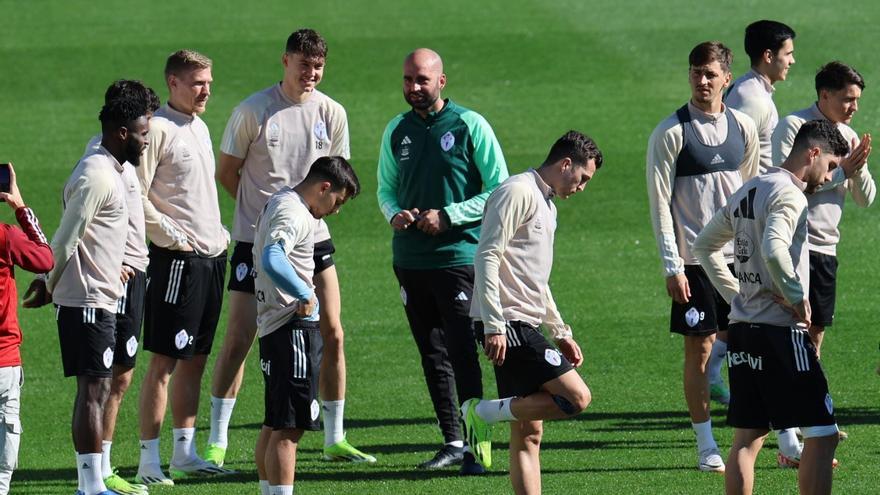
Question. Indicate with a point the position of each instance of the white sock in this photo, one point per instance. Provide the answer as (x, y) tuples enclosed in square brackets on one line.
[(281, 490), (788, 443), (221, 412), (705, 440), (106, 469), (456, 443), (150, 453), (717, 358), (264, 487), (89, 467), (184, 451), (79, 478), (333, 412), (493, 411)]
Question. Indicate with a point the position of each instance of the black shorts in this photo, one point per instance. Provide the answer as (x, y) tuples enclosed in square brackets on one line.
[(184, 298), (242, 263), (823, 288), (290, 358), (775, 379), (530, 361), (87, 340), (705, 313), (129, 317)]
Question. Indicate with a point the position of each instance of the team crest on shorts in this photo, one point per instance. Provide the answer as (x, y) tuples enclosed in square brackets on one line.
[(131, 346), (181, 339), (829, 404), (552, 356), (315, 409), (108, 357), (241, 271), (320, 130), (447, 141), (693, 317)]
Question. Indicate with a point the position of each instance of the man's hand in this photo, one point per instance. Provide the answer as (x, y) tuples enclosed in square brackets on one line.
[(496, 347), (433, 222), (678, 289), (37, 295), (13, 197), (306, 308), (126, 274), (857, 157), (801, 310), (404, 218), (571, 350)]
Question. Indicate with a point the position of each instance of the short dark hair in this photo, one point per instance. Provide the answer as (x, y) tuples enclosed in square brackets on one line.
[(307, 42), (134, 89), (836, 75), (821, 133), (121, 111), (711, 51), (766, 35), (577, 146), (185, 61), (338, 172)]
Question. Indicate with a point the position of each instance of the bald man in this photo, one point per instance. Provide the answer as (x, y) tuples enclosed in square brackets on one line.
[(438, 163)]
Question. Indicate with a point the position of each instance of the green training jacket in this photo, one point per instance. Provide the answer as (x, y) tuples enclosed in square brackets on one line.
[(449, 161)]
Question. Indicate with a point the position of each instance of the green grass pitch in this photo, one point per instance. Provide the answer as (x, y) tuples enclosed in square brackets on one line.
[(534, 69)]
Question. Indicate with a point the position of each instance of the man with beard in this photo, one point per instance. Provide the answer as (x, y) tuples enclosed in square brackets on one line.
[(130, 310), (775, 375), (85, 284), (187, 266), (696, 158), (437, 165)]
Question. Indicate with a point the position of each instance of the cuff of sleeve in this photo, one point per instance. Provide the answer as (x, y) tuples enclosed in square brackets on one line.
[(560, 331), (670, 271), (494, 328), (448, 214)]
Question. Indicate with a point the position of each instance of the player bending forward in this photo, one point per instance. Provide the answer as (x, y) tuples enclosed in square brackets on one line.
[(288, 315), (512, 298)]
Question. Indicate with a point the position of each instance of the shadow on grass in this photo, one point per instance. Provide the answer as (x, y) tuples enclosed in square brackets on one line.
[(354, 423)]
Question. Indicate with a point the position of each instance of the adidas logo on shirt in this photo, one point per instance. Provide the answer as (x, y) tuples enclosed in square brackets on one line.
[(717, 160), (461, 296), (405, 141)]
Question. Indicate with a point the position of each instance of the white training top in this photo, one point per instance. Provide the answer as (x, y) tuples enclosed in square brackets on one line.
[(177, 179), (752, 94), (681, 206), (286, 218), (514, 257), (136, 253), (278, 141), (826, 205), (89, 244), (767, 218)]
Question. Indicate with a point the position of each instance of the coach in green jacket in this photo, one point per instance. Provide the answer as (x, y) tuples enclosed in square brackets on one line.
[(437, 165)]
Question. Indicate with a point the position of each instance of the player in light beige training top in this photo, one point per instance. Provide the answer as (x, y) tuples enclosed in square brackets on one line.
[(775, 376), (838, 89), (270, 141), (187, 266), (87, 281), (512, 299), (696, 159)]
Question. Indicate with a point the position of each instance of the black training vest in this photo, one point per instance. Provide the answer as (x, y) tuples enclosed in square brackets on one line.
[(696, 158)]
